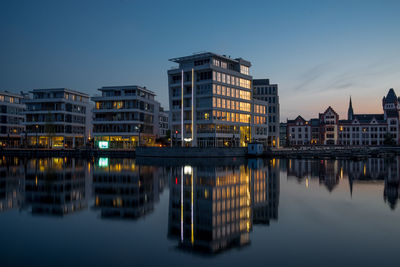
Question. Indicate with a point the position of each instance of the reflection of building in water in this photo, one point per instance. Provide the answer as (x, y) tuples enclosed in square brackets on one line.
[(11, 183), (124, 189), (329, 172), (56, 186), (392, 183), (210, 209), (265, 185), (326, 171)]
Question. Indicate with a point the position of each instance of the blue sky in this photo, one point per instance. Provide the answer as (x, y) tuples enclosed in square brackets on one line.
[(319, 52)]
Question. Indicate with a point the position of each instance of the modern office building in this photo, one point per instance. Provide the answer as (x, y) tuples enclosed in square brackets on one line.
[(265, 91), (57, 118), (11, 120), (125, 116), (259, 128), (218, 111), (163, 121), (282, 134)]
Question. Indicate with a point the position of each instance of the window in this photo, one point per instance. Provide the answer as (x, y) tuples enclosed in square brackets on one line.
[(244, 69)]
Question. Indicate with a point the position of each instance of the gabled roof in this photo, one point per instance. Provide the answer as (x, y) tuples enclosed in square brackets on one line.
[(367, 118), (299, 118), (329, 109)]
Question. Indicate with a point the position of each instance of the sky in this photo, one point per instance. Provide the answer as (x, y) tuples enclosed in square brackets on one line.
[(318, 52)]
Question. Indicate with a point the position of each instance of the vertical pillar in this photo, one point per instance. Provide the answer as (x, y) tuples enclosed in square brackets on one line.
[(194, 127), (182, 141), (73, 142)]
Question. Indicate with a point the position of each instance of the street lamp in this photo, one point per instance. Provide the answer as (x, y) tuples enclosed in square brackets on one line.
[(138, 128)]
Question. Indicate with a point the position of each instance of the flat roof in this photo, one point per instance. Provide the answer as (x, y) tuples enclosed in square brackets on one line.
[(207, 54), (116, 88), (59, 89), (11, 94)]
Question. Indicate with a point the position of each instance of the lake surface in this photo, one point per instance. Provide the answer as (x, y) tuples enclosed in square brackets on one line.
[(237, 212)]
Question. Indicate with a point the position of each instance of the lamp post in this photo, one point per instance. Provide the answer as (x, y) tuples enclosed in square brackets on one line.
[(138, 128)]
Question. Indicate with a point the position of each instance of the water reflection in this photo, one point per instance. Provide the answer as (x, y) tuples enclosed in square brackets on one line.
[(214, 207), (123, 189), (56, 186), (12, 183), (329, 173)]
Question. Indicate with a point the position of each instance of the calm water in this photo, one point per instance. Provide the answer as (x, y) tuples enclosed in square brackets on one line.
[(64, 212)]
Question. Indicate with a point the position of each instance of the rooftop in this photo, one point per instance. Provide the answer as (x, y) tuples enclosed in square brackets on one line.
[(6, 93), (209, 54), (57, 90), (126, 87)]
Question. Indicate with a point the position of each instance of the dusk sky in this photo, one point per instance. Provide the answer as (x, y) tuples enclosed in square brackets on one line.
[(319, 52)]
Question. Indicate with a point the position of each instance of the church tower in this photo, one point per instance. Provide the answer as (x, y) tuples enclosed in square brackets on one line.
[(350, 112)]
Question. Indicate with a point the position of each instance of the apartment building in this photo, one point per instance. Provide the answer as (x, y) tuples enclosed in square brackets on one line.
[(57, 118), (263, 90), (125, 117), (298, 131), (12, 118)]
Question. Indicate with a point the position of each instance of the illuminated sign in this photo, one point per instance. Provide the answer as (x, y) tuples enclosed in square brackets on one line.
[(103, 144), (103, 162)]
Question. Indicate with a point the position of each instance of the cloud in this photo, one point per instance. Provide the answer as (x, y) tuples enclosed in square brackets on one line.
[(312, 75)]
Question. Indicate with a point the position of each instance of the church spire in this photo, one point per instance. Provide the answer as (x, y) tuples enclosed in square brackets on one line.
[(350, 113)]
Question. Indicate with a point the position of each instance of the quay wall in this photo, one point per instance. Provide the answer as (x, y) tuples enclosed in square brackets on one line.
[(190, 152)]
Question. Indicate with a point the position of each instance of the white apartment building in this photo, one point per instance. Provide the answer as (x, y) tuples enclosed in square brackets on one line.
[(57, 118), (11, 119)]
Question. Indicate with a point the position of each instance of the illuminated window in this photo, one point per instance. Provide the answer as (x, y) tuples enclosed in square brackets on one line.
[(117, 104), (228, 91), (218, 102), (218, 89), (244, 69)]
